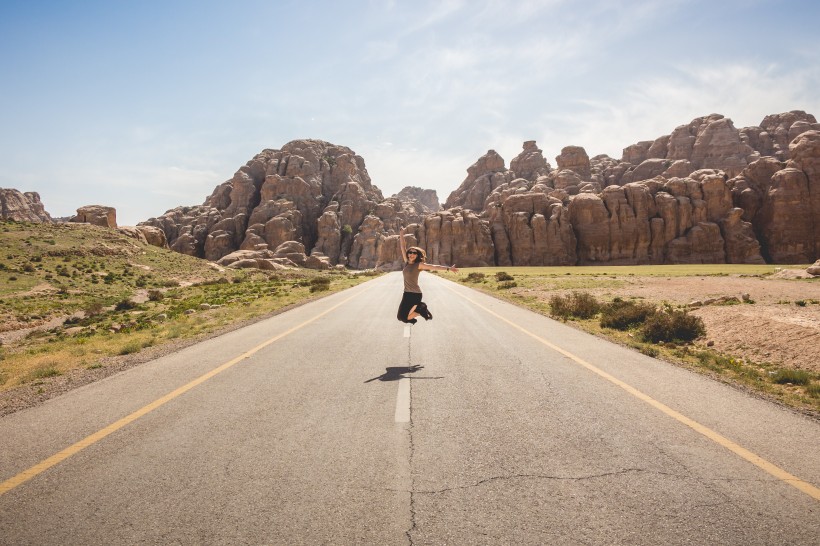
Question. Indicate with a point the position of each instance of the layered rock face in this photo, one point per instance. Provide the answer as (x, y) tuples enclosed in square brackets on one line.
[(705, 193), (22, 207)]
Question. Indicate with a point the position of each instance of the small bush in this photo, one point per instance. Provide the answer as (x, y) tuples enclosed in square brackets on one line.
[(581, 305), (813, 390), (130, 348), (649, 350), (319, 284), (125, 305), (503, 276), (42, 372), (672, 325), (475, 277), (506, 285), (795, 377), (155, 295), (622, 315), (93, 309), (800, 303)]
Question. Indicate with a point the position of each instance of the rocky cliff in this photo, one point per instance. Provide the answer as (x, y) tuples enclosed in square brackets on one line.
[(706, 193), (22, 207), (310, 191)]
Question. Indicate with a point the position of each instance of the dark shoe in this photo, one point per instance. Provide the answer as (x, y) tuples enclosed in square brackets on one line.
[(423, 311), (412, 321)]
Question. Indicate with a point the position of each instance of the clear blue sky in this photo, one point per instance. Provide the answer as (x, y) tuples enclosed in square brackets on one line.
[(148, 105)]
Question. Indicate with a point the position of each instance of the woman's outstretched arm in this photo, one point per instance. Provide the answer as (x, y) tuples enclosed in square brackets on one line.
[(402, 231), (431, 267)]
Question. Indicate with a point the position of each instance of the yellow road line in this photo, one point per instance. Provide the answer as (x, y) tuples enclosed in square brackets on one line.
[(57, 458), (744, 453)]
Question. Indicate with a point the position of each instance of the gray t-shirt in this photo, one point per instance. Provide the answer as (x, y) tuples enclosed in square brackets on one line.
[(411, 277)]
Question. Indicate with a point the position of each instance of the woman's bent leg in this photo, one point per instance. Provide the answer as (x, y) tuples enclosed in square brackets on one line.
[(407, 308)]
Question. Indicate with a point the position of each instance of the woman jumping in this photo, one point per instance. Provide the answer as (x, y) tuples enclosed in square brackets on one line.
[(411, 305)]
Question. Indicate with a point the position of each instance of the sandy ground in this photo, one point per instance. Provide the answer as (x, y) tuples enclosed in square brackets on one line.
[(773, 329)]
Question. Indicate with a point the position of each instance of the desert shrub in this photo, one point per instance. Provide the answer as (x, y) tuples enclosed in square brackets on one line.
[(795, 377), (125, 305), (474, 277), (649, 350), (581, 305), (622, 315), (502, 276), (94, 308), (506, 285), (130, 348), (813, 390), (672, 325), (319, 284), (41, 372), (155, 295)]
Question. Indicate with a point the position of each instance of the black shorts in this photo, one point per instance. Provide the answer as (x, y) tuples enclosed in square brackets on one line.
[(408, 300)]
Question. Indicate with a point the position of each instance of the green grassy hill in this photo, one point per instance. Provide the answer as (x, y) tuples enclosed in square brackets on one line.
[(73, 295)]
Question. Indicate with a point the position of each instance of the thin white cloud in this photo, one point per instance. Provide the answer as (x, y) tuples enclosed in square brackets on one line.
[(653, 106), (438, 11)]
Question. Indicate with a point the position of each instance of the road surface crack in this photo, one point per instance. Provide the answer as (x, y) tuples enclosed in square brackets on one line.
[(409, 532), (535, 477)]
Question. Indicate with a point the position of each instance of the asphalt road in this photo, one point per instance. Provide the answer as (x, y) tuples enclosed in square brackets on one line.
[(334, 423)]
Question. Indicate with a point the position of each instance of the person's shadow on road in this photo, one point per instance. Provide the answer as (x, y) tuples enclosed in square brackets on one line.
[(396, 373)]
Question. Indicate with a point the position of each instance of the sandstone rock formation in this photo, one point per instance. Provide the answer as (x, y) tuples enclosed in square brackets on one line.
[(705, 193), (96, 215), (530, 163), (312, 192), (428, 199), (483, 177), (147, 234), (22, 207)]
